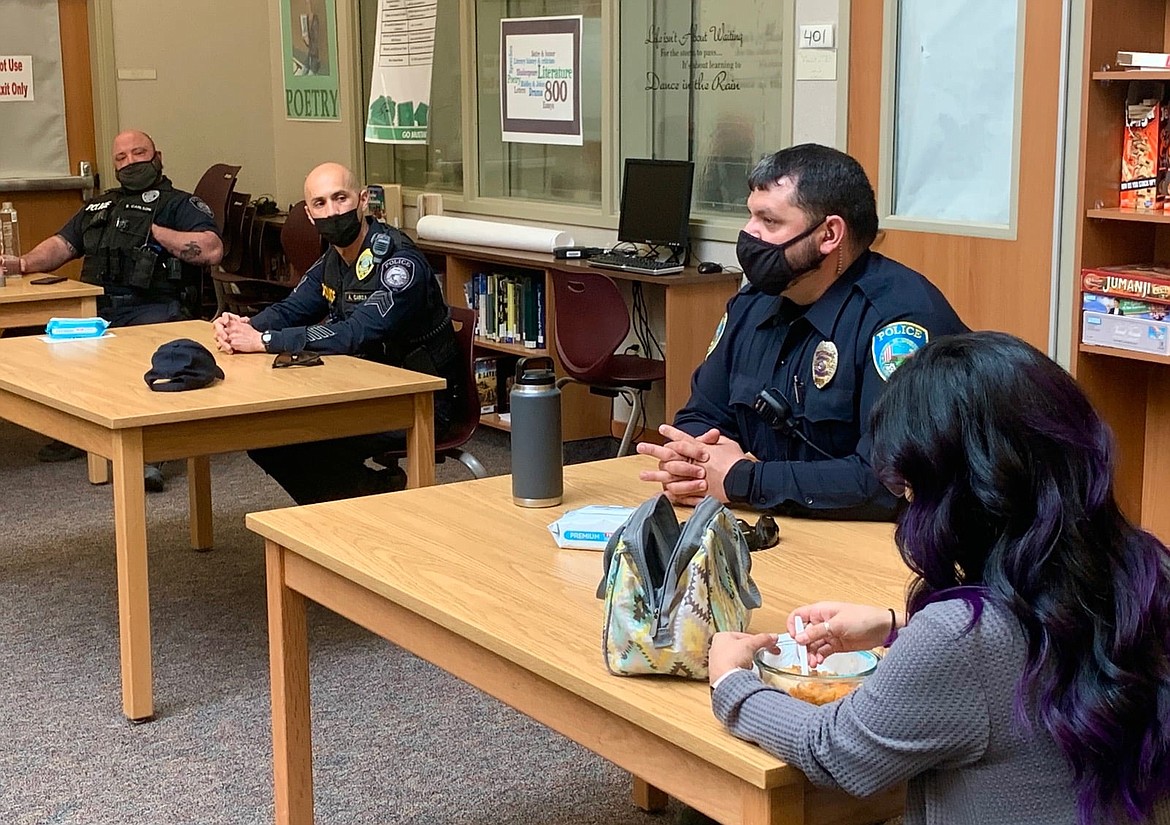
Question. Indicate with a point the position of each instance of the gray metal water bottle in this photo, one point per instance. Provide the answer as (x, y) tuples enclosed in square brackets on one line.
[(537, 453)]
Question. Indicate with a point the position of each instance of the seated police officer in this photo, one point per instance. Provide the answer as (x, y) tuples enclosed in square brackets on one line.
[(777, 410), (372, 294), (145, 243)]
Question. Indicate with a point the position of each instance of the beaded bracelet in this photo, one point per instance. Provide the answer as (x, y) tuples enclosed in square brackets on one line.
[(893, 628)]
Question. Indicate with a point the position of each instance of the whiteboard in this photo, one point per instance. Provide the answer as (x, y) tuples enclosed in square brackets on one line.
[(34, 143), (955, 110)]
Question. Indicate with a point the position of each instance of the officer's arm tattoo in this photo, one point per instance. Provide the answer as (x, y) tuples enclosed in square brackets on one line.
[(191, 252)]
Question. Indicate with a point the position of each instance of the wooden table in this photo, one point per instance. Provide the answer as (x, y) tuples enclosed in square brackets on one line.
[(459, 576), (91, 393), (24, 304)]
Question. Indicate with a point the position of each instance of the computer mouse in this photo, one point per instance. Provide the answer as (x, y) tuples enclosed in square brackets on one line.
[(710, 268)]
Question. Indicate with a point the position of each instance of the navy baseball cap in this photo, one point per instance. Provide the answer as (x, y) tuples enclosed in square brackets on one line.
[(182, 364)]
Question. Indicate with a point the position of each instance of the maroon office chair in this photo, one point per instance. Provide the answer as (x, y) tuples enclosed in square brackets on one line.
[(591, 323), (467, 416), (215, 189), (299, 238), (236, 231)]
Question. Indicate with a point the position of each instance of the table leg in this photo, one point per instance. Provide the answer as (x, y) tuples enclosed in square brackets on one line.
[(199, 501), (649, 798), (288, 658), (99, 469), (420, 443), (133, 581), (779, 806)]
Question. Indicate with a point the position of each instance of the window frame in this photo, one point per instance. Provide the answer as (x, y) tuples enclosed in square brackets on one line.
[(704, 227), (887, 219)]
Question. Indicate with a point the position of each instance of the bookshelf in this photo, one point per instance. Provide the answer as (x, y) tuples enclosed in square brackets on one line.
[(1131, 389), (694, 304)]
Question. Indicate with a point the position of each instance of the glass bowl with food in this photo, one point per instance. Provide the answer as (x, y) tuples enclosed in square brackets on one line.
[(834, 678)]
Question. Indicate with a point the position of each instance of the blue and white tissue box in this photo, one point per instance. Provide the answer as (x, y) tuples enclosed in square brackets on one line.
[(589, 528), (76, 327)]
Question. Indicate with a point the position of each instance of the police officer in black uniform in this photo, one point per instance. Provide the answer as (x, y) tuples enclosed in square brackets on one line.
[(372, 294), (778, 410), (146, 243)]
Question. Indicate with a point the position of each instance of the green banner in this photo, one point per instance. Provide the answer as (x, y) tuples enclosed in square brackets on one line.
[(309, 37)]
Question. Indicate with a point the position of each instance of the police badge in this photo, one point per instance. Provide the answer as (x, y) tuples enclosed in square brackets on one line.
[(150, 196), (824, 364), (364, 265)]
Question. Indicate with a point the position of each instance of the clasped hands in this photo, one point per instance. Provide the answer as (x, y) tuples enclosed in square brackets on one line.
[(691, 467), (234, 333)]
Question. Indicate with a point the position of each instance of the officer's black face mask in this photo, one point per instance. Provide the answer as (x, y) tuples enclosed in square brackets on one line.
[(766, 264), (140, 176), (340, 230)]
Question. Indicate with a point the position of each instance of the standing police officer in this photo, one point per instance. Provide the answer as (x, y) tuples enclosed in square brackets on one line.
[(145, 243), (372, 294), (778, 409)]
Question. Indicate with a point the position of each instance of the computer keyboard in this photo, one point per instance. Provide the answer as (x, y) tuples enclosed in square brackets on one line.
[(629, 263)]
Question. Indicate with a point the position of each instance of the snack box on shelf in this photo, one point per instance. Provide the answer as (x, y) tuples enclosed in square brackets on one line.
[(1141, 282), (1136, 334)]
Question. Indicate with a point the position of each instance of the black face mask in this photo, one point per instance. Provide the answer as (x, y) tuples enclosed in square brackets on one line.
[(140, 176), (340, 230), (765, 264)]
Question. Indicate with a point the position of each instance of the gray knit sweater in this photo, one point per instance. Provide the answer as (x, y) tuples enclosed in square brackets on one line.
[(937, 714)]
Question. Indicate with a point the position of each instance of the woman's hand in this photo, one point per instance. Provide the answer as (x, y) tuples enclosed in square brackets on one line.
[(836, 627), (730, 650)]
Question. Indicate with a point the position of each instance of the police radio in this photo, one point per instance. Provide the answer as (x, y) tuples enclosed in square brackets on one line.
[(774, 408)]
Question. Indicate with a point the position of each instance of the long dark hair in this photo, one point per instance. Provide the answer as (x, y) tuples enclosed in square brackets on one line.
[(1011, 476)]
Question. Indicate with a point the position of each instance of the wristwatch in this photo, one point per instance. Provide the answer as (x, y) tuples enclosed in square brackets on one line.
[(737, 484), (266, 339)]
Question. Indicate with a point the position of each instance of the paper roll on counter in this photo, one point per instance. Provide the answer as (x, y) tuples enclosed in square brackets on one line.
[(488, 233)]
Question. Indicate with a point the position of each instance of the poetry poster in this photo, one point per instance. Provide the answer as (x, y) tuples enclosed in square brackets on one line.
[(309, 38)]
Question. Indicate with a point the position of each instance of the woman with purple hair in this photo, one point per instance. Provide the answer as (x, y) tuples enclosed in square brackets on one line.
[(1030, 678)]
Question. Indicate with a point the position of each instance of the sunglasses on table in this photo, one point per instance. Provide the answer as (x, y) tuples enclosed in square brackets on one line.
[(765, 533), (297, 359)]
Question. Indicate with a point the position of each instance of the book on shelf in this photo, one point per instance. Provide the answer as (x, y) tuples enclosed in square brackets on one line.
[(1143, 60), (486, 383), (511, 307), (1138, 281)]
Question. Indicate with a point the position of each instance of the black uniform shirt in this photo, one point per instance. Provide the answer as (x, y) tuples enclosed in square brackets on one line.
[(189, 214), (386, 299), (876, 314)]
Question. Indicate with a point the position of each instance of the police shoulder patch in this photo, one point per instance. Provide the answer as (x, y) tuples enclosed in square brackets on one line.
[(894, 343), (397, 274), (718, 334), (202, 207), (380, 244)]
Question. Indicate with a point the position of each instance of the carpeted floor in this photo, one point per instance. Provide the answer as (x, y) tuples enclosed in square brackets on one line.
[(395, 739)]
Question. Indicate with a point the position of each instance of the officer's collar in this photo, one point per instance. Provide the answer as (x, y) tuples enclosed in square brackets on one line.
[(822, 313)]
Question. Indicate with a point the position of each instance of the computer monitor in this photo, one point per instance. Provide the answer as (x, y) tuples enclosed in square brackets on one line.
[(656, 202)]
